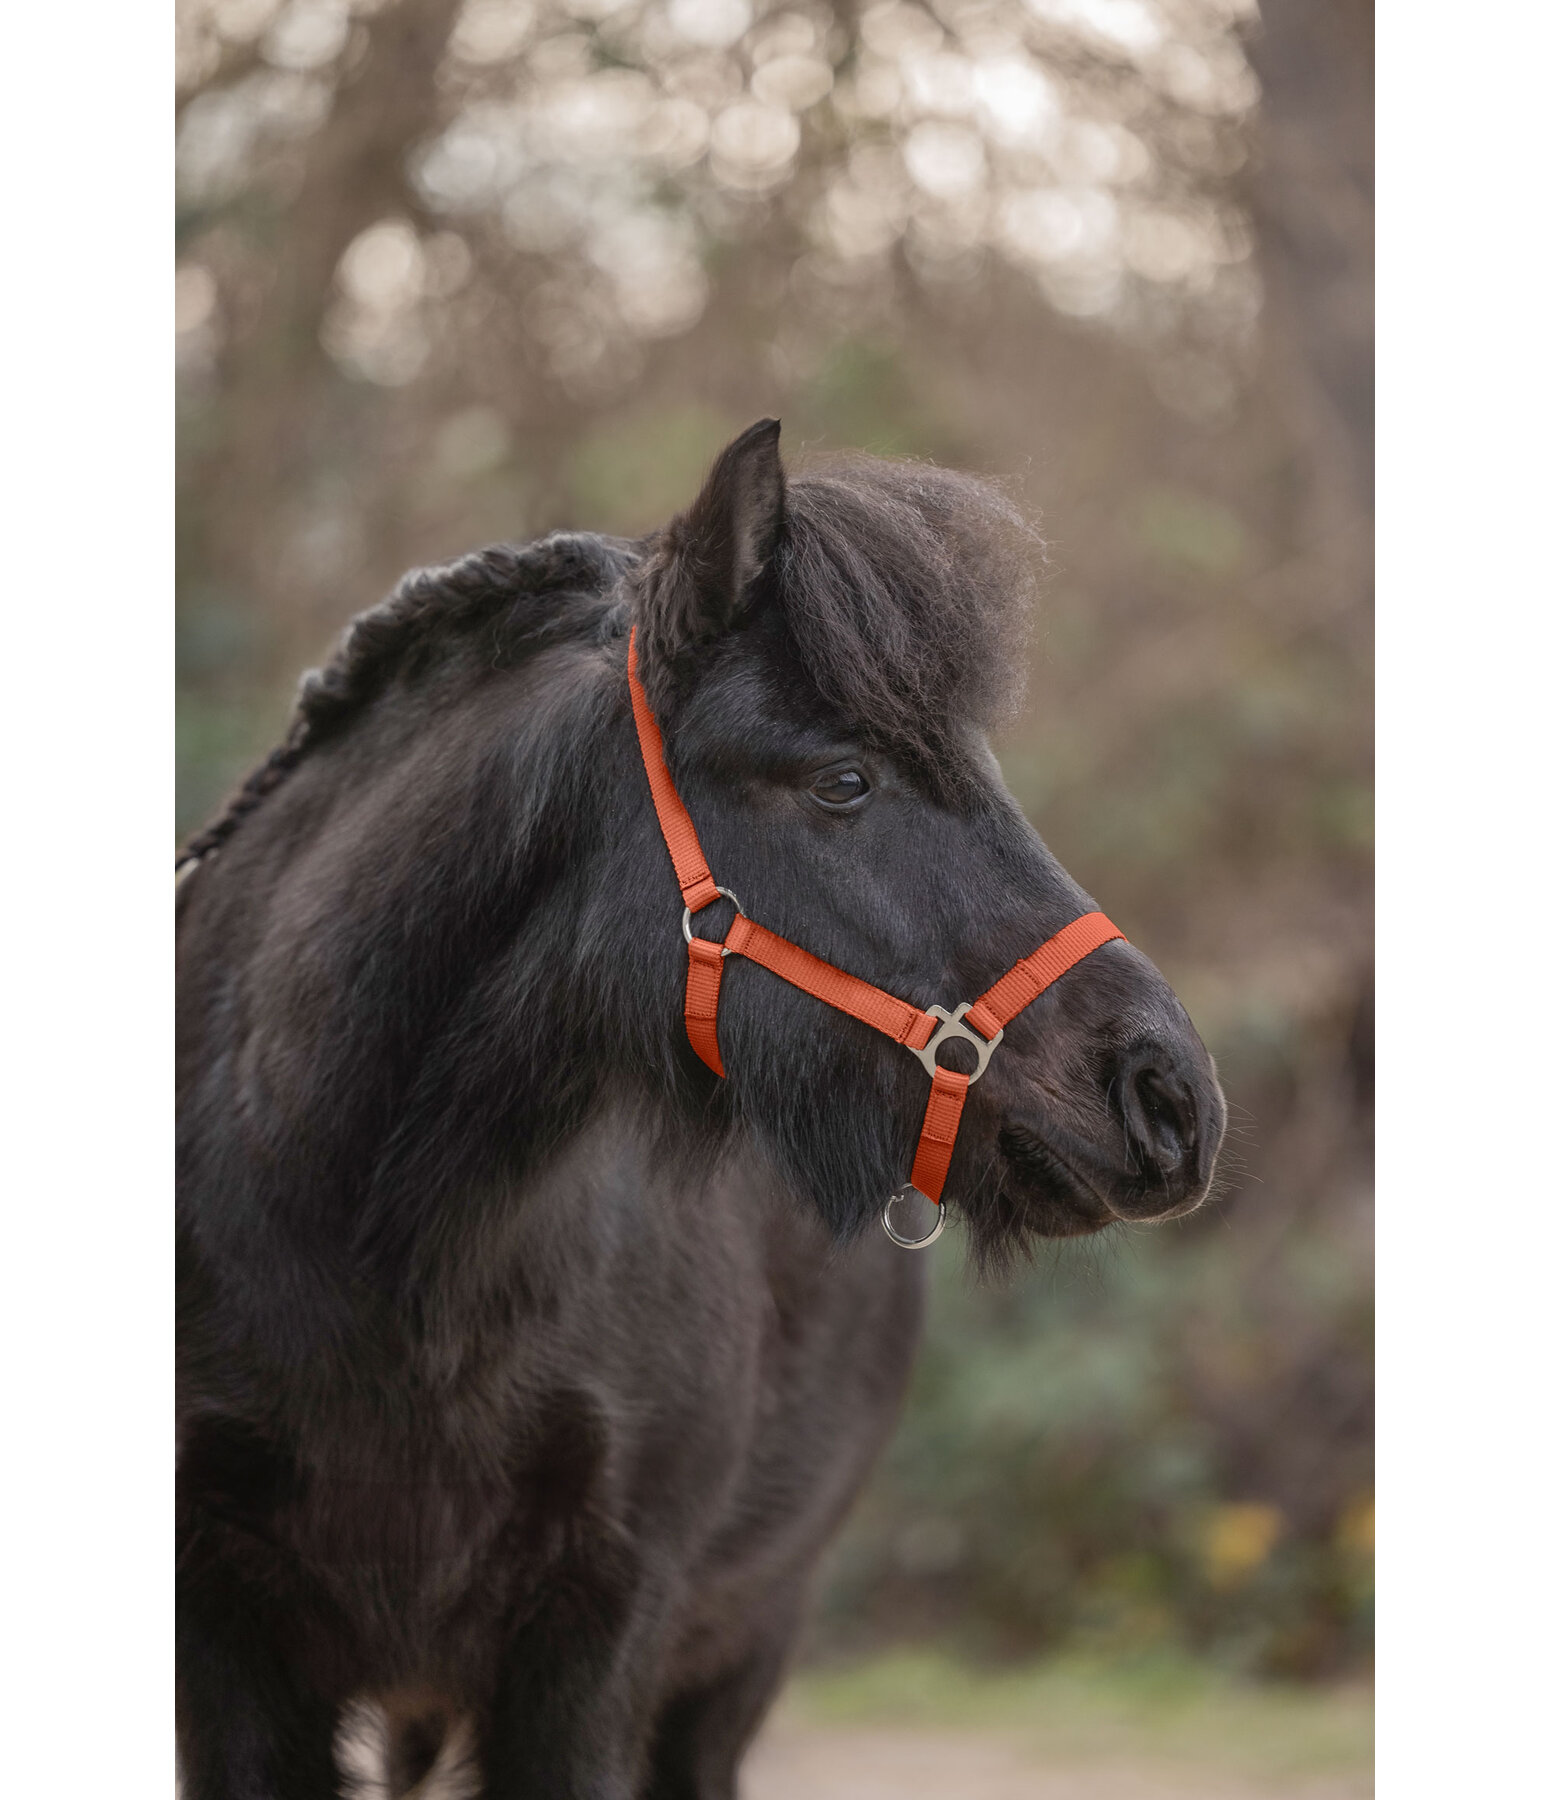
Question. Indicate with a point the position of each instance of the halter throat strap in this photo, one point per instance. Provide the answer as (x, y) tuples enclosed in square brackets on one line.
[(979, 1024)]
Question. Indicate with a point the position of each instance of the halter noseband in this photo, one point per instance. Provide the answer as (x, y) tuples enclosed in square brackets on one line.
[(979, 1023)]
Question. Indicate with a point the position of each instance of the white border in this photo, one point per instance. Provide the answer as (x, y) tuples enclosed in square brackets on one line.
[(85, 1326), (1464, 1201)]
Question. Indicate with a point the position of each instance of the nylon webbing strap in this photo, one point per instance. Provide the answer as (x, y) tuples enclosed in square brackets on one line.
[(904, 1023), (1022, 984), (939, 1132), (898, 1019), (702, 997), (683, 843)]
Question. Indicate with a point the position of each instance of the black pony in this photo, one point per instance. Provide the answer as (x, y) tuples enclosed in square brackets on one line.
[(527, 1367)]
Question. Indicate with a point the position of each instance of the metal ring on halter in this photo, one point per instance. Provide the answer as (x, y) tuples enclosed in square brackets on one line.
[(919, 1243), (689, 911), (952, 1026)]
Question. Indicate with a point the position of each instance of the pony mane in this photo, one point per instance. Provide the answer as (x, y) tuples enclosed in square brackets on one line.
[(402, 634), (909, 591)]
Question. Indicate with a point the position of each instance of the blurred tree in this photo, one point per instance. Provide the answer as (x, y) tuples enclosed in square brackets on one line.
[(474, 229)]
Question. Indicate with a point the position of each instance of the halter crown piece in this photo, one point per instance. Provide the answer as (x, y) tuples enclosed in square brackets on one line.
[(979, 1023)]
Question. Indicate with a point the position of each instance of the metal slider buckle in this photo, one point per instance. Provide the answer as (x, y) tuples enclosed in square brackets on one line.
[(952, 1026)]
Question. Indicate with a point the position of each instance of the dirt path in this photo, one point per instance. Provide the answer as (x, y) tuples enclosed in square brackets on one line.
[(796, 1760)]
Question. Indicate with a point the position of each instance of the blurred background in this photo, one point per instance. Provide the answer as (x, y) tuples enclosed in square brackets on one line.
[(454, 271)]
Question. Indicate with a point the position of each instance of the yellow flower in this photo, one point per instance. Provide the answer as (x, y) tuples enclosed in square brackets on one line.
[(1356, 1530), (1237, 1540)]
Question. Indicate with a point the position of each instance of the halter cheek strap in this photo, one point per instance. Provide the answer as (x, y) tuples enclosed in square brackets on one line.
[(979, 1024)]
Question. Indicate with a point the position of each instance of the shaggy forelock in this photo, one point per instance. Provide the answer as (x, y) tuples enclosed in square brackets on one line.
[(909, 591)]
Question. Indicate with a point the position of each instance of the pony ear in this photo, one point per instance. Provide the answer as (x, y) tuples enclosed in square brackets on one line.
[(710, 558)]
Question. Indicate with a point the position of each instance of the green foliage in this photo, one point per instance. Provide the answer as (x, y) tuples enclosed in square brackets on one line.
[(1153, 1709), (1095, 1458)]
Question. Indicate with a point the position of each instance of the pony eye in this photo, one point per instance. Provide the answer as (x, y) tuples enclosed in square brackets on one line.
[(839, 787)]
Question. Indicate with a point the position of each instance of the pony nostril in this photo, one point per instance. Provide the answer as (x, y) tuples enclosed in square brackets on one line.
[(1159, 1114)]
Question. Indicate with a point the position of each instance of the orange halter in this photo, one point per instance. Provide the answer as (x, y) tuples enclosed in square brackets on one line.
[(980, 1023)]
